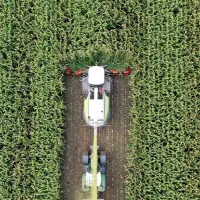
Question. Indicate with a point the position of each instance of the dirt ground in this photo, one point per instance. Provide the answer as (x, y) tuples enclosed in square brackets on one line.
[(113, 139)]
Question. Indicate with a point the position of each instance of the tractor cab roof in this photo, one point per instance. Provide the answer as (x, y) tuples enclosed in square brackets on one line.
[(89, 179), (96, 75)]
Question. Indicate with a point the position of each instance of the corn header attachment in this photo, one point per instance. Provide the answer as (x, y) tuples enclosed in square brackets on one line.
[(70, 72)]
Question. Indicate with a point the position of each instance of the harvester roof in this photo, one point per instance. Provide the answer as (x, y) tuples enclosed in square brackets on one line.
[(96, 75)]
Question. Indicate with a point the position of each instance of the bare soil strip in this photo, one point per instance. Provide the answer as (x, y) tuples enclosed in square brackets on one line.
[(112, 139)]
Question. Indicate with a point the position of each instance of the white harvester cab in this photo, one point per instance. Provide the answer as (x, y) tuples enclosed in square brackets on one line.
[(96, 88), (96, 76)]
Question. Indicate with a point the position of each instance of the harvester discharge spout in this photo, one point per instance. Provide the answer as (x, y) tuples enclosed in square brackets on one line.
[(95, 130)]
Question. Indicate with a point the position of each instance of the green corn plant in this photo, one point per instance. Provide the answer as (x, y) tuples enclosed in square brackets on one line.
[(158, 162)]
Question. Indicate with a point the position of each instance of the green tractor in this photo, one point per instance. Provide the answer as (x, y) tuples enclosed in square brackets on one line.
[(87, 177)]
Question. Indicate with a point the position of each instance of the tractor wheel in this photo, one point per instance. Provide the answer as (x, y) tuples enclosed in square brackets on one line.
[(103, 158), (85, 158)]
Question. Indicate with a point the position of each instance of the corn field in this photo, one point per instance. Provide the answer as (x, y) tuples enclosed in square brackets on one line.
[(31, 107), (163, 162), (158, 39)]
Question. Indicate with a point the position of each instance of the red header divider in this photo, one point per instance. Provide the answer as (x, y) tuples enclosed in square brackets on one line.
[(126, 72)]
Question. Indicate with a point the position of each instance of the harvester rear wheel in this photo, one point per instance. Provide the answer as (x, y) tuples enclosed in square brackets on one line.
[(111, 87), (85, 95)]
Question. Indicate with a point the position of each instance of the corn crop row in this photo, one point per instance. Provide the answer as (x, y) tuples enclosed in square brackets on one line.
[(163, 158), (31, 103), (98, 32)]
